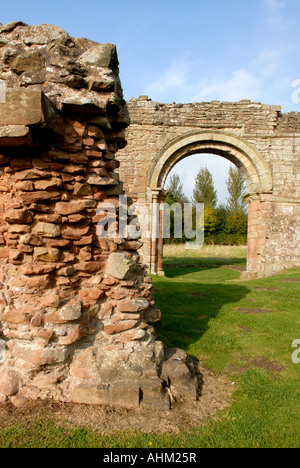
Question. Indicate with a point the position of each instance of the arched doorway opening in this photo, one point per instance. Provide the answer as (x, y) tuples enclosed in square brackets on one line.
[(244, 155), (218, 183)]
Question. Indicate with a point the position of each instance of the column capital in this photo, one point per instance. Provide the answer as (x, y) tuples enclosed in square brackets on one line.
[(159, 194)]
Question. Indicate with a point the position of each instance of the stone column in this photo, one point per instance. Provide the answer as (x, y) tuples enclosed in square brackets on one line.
[(257, 235), (154, 231), (160, 244), (157, 224)]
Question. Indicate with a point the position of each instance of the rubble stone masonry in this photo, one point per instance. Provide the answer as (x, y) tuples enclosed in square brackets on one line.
[(76, 310), (258, 138)]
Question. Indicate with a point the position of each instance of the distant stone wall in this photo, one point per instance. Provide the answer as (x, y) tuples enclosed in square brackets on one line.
[(258, 138), (76, 310)]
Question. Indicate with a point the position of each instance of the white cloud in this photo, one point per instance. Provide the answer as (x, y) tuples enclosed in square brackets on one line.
[(242, 84), (275, 16), (268, 61), (274, 4), (263, 78), (175, 77), (178, 82)]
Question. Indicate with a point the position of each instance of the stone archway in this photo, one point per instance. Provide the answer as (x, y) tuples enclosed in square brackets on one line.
[(234, 148), (262, 141)]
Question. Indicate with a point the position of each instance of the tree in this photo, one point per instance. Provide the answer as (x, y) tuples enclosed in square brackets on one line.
[(204, 191), (175, 191), (174, 196), (236, 228), (236, 189)]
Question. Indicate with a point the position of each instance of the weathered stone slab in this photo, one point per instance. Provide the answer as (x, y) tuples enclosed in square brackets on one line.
[(24, 107), (9, 382), (152, 394), (119, 265), (15, 135), (11, 26), (101, 55), (91, 395), (125, 395)]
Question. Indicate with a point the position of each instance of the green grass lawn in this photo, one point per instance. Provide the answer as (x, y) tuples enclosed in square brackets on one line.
[(240, 330)]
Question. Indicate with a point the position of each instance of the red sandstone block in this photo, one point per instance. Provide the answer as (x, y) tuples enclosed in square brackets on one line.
[(95, 132), (83, 373), (46, 335), (134, 335), (88, 141), (37, 320), (106, 311), (73, 336), (35, 283), (70, 312), (94, 154), (73, 169), (51, 184), (74, 233), (70, 208), (21, 216), (63, 243), (50, 300), (128, 305), (25, 186), (18, 163), (86, 240), (36, 269), (79, 158), (67, 257), (116, 294), (15, 256), (41, 356), (90, 295), (89, 267), (4, 160), (31, 174), (10, 381), (16, 317), (33, 197), (84, 256), (49, 218), (78, 126), (112, 164), (119, 327), (63, 281)]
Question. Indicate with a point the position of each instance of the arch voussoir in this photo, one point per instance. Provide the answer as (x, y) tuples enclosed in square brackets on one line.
[(230, 146)]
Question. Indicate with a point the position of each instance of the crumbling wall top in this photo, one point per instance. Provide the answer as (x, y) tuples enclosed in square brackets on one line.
[(72, 72)]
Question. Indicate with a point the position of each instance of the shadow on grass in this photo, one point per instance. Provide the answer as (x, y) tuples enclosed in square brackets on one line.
[(207, 273), (209, 262), (175, 271), (188, 306)]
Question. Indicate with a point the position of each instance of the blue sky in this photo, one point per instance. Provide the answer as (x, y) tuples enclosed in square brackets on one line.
[(188, 51)]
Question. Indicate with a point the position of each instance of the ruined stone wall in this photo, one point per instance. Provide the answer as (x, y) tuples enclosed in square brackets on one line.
[(274, 233), (75, 309), (154, 125)]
